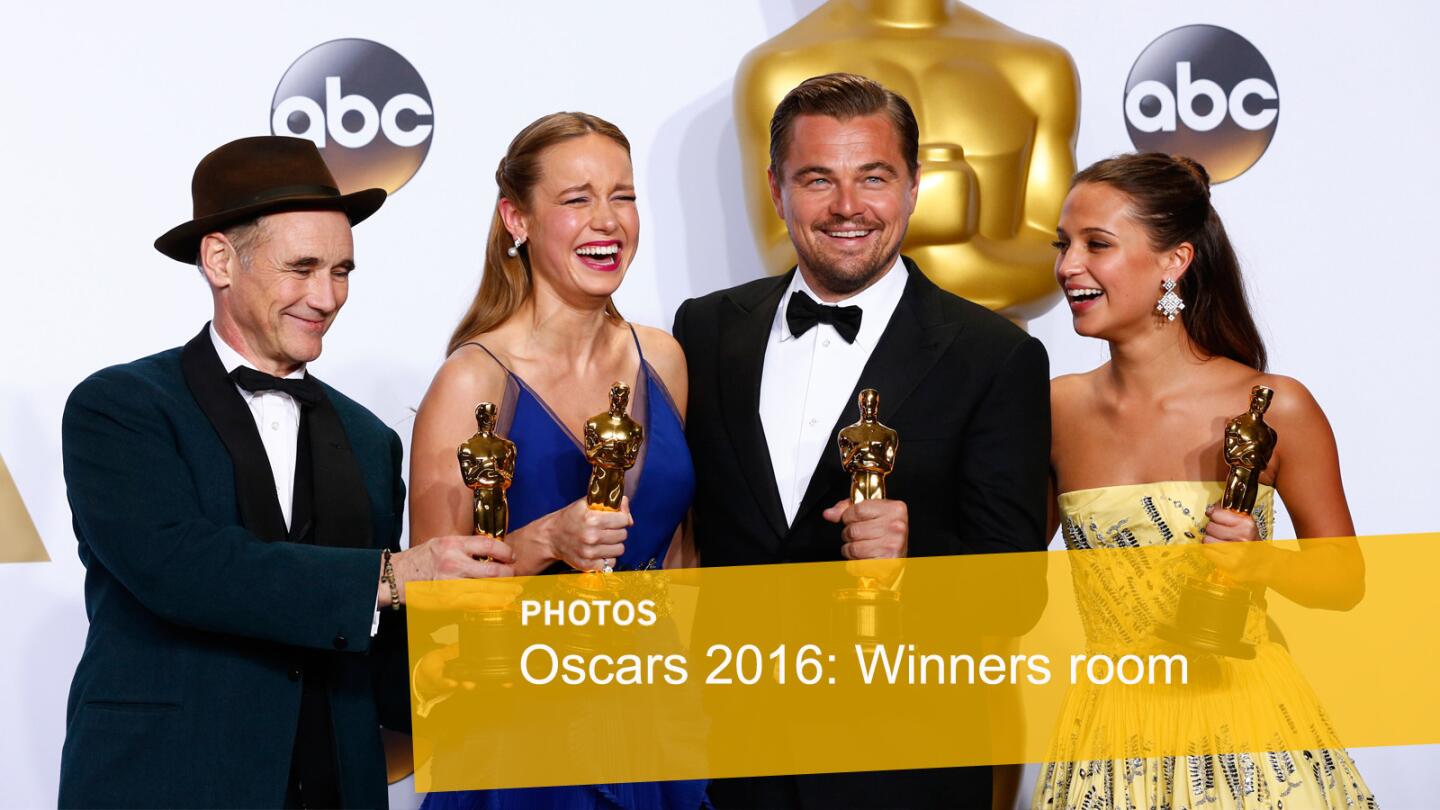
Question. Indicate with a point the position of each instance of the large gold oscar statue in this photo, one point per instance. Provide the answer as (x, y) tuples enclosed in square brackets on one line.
[(997, 112), (19, 542)]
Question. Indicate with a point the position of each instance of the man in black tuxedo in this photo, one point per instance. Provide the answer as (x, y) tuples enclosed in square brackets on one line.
[(775, 368), (239, 522)]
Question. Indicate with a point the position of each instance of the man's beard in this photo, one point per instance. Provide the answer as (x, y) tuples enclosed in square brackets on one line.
[(838, 281)]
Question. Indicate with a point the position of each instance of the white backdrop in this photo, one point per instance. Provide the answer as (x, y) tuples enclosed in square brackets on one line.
[(108, 107)]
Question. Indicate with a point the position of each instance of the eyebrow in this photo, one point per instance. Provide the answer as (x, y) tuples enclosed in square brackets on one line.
[(879, 165), (312, 262), (874, 165), (589, 187), (1091, 229)]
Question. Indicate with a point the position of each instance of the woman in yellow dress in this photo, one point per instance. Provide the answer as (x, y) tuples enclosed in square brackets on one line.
[(1136, 459)]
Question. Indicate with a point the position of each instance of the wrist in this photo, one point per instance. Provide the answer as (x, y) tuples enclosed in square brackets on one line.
[(1270, 563), (392, 587), (400, 569), (533, 550)]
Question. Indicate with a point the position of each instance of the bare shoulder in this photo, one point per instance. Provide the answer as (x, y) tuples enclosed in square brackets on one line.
[(469, 374), (664, 355), (1072, 393), (1292, 405)]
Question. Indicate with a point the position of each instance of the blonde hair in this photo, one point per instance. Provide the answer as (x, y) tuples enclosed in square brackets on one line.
[(505, 281)]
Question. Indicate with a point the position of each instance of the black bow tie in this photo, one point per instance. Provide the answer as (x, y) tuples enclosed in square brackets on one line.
[(305, 390), (804, 312)]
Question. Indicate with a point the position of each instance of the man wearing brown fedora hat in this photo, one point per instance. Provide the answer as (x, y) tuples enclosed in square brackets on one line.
[(240, 525)]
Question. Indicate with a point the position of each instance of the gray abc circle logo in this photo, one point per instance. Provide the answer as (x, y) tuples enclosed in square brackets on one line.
[(364, 105), (1205, 92)]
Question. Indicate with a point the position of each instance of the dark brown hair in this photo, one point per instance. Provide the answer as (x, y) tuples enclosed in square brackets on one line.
[(1170, 195), (505, 280), (844, 96)]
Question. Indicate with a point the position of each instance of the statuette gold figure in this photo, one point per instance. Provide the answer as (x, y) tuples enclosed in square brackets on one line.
[(1249, 443), (867, 450), (487, 463), (1212, 612), (612, 444)]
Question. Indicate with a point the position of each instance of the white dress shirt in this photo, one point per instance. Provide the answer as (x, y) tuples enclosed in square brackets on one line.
[(277, 417), (808, 380)]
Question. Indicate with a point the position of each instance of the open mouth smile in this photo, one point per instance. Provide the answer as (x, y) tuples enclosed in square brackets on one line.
[(602, 256), (1082, 298), (848, 237)]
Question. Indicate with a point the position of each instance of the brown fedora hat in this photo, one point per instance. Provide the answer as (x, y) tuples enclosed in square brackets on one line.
[(251, 177)]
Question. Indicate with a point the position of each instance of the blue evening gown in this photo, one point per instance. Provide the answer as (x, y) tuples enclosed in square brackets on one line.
[(551, 472)]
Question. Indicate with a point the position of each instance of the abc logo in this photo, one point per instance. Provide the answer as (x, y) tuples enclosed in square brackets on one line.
[(1205, 92), (364, 106)]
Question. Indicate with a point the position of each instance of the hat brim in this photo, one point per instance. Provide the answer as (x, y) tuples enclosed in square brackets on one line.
[(182, 243)]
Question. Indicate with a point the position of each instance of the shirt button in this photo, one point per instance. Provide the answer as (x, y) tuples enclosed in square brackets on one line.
[(274, 425), (812, 423), (340, 642), (825, 343)]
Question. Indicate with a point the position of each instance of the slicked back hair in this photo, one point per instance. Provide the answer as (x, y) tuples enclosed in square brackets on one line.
[(844, 96)]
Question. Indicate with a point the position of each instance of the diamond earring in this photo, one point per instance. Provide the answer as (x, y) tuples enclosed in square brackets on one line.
[(512, 252), (1169, 304)]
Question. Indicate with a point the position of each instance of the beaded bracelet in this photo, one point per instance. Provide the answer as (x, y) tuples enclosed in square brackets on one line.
[(389, 576)]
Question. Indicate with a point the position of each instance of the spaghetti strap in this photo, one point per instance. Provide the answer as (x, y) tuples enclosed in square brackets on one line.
[(636, 337), (511, 397), (487, 351)]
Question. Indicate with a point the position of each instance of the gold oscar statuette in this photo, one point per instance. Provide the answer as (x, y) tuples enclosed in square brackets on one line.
[(997, 109), (1212, 612), (487, 465), (869, 613), (612, 443)]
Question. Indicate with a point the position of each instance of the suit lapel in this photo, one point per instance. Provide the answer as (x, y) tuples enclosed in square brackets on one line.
[(225, 408), (341, 509), (909, 347), (331, 504), (744, 335)]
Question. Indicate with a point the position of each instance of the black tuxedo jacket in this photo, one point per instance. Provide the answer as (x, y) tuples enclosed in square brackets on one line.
[(968, 393), (204, 629)]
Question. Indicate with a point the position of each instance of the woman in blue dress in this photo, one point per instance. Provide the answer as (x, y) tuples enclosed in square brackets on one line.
[(543, 340)]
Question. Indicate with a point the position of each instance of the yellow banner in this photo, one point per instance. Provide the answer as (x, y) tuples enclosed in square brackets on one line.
[(972, 660)]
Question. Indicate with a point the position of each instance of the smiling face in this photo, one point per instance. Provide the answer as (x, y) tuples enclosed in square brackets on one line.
[(846, 196), (1106, 265), (580, 222), (275, 305)]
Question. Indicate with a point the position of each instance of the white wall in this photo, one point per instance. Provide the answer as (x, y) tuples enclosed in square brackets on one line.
[(108, 107)]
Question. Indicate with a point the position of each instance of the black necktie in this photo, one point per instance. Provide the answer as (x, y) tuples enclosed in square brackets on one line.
[(804, 312), (305, 390)]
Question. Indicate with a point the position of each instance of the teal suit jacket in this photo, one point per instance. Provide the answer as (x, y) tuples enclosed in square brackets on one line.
[(188, 689)]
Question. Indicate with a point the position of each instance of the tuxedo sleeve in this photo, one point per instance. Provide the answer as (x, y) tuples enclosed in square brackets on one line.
[(1005, 463), (677, 331), (137, 510), (391, 652)]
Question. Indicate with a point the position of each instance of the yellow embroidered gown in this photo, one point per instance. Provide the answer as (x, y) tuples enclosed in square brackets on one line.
[(1171, 513)]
